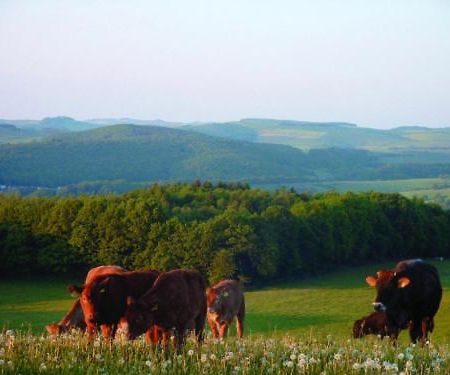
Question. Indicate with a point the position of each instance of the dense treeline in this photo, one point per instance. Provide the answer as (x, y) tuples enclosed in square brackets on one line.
[(222, 230)]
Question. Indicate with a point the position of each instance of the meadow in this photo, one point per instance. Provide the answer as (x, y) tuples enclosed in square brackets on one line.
[(295, 327)]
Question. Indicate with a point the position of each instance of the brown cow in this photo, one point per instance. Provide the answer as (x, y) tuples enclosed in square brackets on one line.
[(375, 324), (74, 317), (226, 301), (176, 299), (104, 299)]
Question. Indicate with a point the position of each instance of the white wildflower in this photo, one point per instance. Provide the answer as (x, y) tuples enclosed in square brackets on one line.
[(148, 363), (203, 358), (357, 366), (401, 356), (212, 357), (190, 352), (337, 357)]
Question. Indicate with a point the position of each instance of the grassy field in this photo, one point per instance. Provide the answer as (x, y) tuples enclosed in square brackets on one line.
[(324, 305), (301, 327)]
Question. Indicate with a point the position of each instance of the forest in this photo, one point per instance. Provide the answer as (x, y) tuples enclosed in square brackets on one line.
[(221, 229)]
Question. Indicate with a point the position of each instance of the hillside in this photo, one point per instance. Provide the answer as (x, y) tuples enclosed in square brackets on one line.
[(310, 135), (137, 154)]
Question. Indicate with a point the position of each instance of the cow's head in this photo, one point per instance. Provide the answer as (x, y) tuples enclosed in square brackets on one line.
[(216, 301), (358, 328), (97, 299), (390, 288), (139, 316), (55, 329)]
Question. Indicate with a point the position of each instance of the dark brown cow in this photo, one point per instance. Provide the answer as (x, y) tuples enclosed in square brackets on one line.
[(104, 299), (375, 324), (176, 299), (409, 294), (226, 301), (74, 317)]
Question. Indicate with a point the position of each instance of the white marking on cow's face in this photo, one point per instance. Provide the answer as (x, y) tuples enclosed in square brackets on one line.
[(378, 306)]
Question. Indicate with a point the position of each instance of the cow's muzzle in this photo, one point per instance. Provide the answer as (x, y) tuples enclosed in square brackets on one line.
[(379, 307)]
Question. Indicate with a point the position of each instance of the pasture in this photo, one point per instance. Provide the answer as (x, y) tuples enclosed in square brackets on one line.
[(326, 304), (290, 328)]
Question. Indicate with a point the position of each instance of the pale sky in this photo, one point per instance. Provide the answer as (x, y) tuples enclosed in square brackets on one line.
[(378, 63)]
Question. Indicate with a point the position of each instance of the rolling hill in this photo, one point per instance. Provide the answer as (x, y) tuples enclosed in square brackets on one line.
[(311, 135), (136, 154)]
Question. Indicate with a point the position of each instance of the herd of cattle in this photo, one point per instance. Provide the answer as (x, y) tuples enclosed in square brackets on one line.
[(156, 303), (162, 304)]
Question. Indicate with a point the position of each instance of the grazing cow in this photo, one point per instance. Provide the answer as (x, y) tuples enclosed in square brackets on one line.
[(74, 317), (409, 293), (375, 324), (225, 301), (176, 300), (104, 299)]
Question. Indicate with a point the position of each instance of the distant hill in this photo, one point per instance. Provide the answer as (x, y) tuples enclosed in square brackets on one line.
[(127, 120), (312, 135), (149, 153)]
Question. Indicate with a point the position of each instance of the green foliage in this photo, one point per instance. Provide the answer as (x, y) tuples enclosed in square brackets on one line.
[(221, 230)]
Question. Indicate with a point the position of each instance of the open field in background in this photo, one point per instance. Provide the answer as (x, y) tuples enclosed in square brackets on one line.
[(435, 190), (322, 305)]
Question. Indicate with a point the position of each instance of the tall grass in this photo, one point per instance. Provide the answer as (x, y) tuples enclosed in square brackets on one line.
[(26, 353)]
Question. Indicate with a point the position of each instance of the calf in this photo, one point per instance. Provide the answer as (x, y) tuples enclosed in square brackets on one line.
[(104, 299), (375, 324), (176, 299), (225, 301), (74, 318)]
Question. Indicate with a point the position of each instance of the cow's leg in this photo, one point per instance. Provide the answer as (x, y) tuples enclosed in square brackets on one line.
[(108, 331), (90, 330), (199, 326), (152, 335), (415, 330), (165, 338), (426, 326), (240, 320), (179, 338), (213, 325), (223, 330)]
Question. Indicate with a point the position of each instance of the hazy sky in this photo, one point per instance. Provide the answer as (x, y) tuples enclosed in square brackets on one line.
[(378, 63)]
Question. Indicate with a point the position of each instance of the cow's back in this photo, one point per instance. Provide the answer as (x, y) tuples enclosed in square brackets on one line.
[(103, 270)]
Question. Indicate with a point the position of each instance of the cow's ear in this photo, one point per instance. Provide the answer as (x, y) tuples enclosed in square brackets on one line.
[(403, 281), (371, 281), (75, 289)]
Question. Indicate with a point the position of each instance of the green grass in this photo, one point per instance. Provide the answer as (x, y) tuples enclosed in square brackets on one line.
[(324, 305)]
